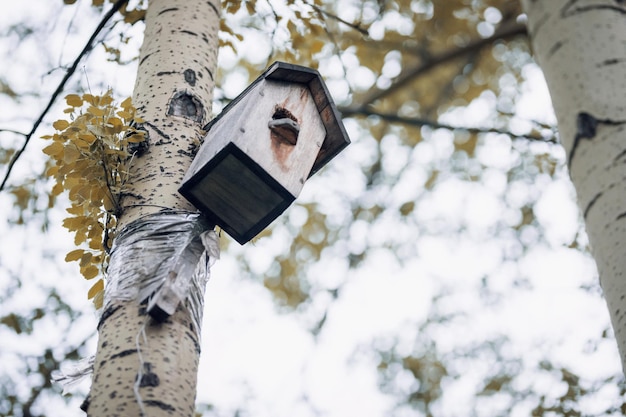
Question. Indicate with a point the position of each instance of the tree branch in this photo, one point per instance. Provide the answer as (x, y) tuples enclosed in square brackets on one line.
[(59, 89), (419, 122), (354, 26), (412, 73)]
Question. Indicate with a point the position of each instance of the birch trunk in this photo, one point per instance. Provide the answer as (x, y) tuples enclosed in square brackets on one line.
[(581, 47), (143, 367)]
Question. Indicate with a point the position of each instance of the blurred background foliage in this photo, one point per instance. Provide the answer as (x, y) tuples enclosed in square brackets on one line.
[(453, 200)]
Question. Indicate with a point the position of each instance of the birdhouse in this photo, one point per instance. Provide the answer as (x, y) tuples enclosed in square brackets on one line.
[(261, 149)]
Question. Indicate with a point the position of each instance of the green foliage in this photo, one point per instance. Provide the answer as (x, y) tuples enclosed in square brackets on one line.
[(92, 158)]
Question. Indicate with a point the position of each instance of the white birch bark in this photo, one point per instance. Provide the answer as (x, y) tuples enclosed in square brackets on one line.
[(581, 47), (173, 94)]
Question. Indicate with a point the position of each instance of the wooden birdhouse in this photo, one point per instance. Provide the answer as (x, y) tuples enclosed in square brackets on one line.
[(261, 149)]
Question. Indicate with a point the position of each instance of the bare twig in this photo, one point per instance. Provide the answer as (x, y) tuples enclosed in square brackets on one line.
[(59, 89), (14, 131), (419, 122)]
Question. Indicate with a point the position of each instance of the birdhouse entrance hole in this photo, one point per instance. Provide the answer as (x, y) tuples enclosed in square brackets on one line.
[(284, 126)]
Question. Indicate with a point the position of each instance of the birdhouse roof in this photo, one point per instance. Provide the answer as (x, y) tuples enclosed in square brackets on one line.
[(336, 137)]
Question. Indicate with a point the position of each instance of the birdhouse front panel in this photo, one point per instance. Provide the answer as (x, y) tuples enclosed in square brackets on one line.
[(292, 132)]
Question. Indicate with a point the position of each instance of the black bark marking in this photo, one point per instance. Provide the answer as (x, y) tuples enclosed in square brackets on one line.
[(210, 73), (85, 404), (188, 32), (108, 312), (214, 8), (591, 203), (113, 394), (586, 128), (571, 9), (186, 105), (621, 216), (159, 404), (144, 58), (190, 77), (124, 353), (619, 156), (186, 153), (553, 50), (161, 133), (165, 73), (171, 9), (148, 378), (612, 61)]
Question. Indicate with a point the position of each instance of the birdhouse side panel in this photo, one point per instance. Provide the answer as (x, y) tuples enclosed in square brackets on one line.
[(228, 128), (283, 132)]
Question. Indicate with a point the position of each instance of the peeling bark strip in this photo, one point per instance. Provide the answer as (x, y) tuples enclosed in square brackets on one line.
[(142, 368), (588, 91)]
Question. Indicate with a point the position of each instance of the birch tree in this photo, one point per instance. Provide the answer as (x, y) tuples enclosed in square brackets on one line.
[(580, 47), (143, 367)]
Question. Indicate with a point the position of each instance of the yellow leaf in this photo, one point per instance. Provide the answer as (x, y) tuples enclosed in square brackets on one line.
[(89, 99), (96, 111), (407, 208), (134, 16), (70, 154), (85, 259), (95, 289), (125, 115), (74, 255), (90, 272), (95, 244), (61, 124), (317, 46), (52, 171), (57, 189), (74, 100), (108, 204), (53, 149), (127, 104), (80, 237), (106, 99), (136, 138)]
